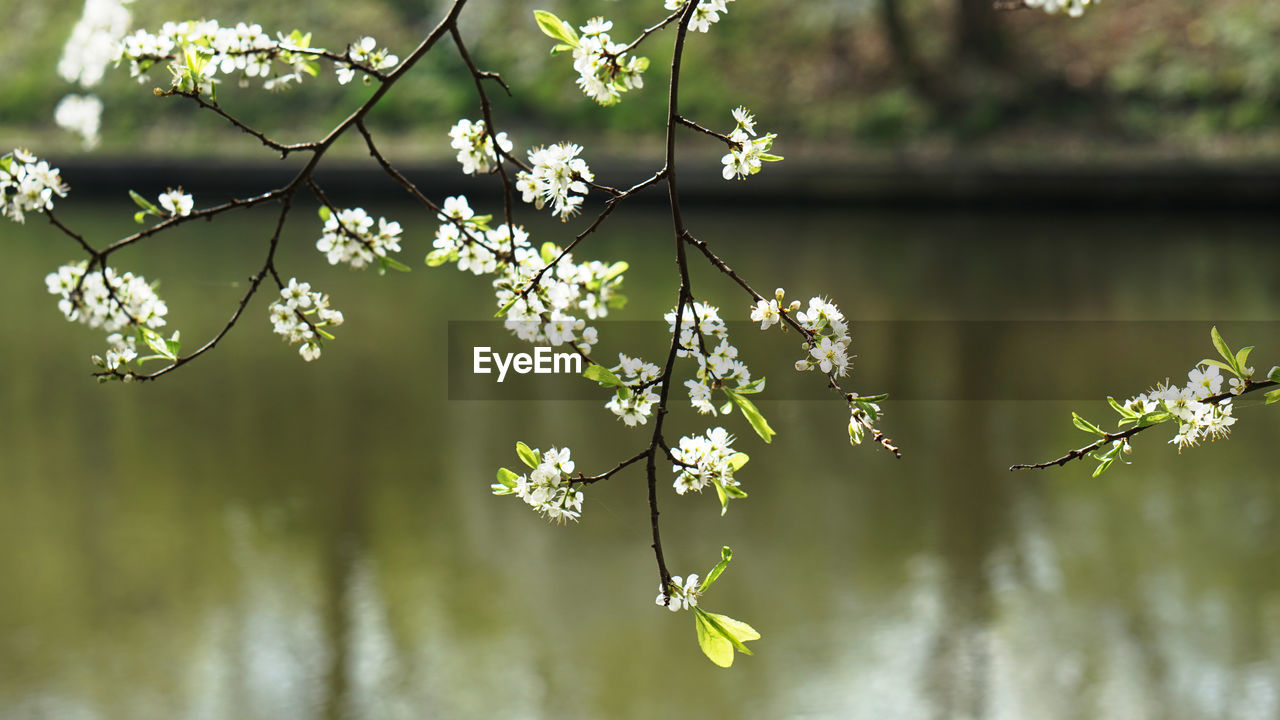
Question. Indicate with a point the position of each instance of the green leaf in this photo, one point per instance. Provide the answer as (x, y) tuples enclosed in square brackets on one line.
[(614, 271), (325, 213), (769, 158), (140, 216), (726, 555), (726, 408), (867, 408), (1223, 349), (562, 47), (1274, 374), (602, 375), (1242, 357), (735, 492), (714, 645), (548, 252), (507, 478), (144, 203), (439, 257), (1272, 396), (503, 310), (324, 333), (737, 460), (1124, 411), (724, 498), (527, 455), (617, 302), (393, 264), (1102, 466), (157, 343), (555, 28), (749, 410), (1153, 418), (1086, 426), (1218, 364), (735, 632)]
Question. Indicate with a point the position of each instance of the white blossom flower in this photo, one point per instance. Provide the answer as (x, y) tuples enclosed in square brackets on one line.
[(558, 177), (93, 41), (605, 71), (1206, 382), (27, 184), (475, 146), (300, 315), (683, 593), (1074, 8), (548, 489), (746, 152), (82, 115), (704, 460), (766, 313), (176, 202), (349, 237), (705, 15), (365, 52)]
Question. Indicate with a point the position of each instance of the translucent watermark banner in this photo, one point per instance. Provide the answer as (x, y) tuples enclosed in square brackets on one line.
[(911, 360)]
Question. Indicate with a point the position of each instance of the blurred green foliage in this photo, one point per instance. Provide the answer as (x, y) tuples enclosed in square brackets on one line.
[(820, 70)]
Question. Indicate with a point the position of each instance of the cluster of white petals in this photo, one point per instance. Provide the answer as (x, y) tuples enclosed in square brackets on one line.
[(365, 52), (475, 146), (1197, 420), (177, 203), (830, 350), (605, 71), (243, 49), (635, 407), (349, 237), (547, 488), (1074, 8), (82, 115), (93, 41), (747, 152), (704, 336), (683, 593), (106, 299), (706, 460), (299, 316), (705, 15), (27, 184), (558, 177), (555, 312)]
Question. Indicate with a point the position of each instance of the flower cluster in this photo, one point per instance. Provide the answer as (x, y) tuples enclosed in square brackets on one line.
[(1074, 8), (205, 49), (682, 595), (300, 315), (349, 237), (705, 15), (475, 146), (92, 44), (552, 312), (547, 488), (82, 115), (365, 53), (746, 151), (557, 174), (1197, 420), (635, 407), (605, 71), (27, 184), (829, 350), (704, 335), (708, 460), (106, 298)]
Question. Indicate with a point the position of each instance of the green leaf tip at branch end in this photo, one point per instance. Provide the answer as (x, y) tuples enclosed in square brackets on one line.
[(720, 635), (555, 28), (527, 455)]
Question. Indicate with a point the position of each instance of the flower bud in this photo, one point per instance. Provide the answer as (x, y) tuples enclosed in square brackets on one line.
[(98, 361), (802, 365), (794, 306), (779, 294)]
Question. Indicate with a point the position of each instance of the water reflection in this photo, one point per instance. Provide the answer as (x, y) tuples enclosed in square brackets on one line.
[(263, 539)]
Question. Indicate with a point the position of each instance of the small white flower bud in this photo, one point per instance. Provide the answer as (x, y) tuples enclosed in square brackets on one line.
[(98, 361), (802, 365), (779, 294), (129, 377), (794, 306)]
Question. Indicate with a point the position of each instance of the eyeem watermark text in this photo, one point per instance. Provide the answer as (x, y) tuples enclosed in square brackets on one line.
[(542, 362)]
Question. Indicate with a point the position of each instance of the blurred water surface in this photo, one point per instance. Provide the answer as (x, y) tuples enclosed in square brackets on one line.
[(256, 537)]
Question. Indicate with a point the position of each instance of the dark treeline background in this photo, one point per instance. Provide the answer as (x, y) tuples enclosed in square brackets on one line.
[(933, 78)]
